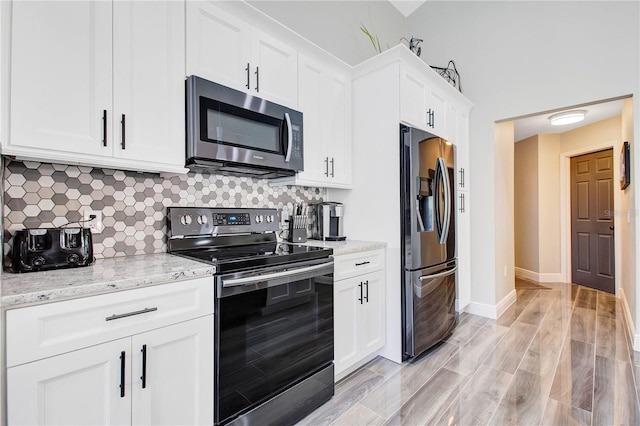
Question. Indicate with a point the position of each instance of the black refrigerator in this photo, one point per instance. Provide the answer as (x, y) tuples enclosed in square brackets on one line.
[(428, 246)]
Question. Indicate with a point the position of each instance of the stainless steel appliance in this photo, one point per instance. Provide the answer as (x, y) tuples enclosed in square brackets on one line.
[(273, 320), (328, 223), (232, 132), (428, 240), (51, 248)]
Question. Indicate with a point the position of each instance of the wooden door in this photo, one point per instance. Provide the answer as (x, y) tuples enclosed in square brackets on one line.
[(592, 247)]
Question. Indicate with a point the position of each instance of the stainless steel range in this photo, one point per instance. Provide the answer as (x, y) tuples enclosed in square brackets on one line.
[(273, 315)]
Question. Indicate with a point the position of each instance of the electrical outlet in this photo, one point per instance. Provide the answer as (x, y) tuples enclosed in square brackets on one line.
[(92, 219)]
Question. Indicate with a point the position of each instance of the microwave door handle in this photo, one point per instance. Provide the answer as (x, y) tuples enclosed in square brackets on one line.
[(287, 119)]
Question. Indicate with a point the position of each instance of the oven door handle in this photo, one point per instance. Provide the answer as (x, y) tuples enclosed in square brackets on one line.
[(271, 276)]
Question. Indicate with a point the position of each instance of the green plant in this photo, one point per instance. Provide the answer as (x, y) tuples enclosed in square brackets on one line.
[(374, 39)]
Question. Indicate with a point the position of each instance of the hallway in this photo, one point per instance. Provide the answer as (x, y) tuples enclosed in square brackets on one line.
[(558, 355)]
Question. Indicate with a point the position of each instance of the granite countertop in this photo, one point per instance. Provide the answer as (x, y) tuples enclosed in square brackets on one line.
[(105, 275), (347, 246)]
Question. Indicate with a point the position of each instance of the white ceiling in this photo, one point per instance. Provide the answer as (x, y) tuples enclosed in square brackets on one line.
[(406, 7), (537, 124)]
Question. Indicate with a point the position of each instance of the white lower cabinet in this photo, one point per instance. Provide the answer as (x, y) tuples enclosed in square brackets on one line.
[(359, 312), (76, 388), (163, 375)]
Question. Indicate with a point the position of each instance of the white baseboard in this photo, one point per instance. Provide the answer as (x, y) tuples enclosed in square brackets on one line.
[(541, 277), (461, 305), (635, 337), (492, 311)]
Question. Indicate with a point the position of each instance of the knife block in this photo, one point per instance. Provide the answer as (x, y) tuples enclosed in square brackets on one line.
[(297, 229)]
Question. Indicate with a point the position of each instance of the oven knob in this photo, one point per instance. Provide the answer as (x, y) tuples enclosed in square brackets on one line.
[(270, 218), (38, 261), (185, 219), (259, 218), (73, 258), (202, 219)]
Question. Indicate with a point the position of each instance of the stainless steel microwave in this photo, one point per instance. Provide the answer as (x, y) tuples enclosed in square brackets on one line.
[(232, 132)]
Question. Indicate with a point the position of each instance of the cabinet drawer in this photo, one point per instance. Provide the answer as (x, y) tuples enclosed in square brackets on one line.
[(41, 331), (351, 265)]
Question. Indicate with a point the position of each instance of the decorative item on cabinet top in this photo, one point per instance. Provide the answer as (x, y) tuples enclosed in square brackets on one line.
[(450, 73), (414, 45), (39, 195)]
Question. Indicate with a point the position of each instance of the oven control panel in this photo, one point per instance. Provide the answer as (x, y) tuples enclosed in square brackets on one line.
[(194, 221)]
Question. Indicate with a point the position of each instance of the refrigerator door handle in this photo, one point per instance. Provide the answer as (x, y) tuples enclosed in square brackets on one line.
[(447, 201), (438, 275)]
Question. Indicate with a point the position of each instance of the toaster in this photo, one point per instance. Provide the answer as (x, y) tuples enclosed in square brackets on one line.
[(51, 248)]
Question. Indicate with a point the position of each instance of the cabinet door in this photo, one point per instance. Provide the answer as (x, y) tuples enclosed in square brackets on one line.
[(372, 316), (436, 104), (337, 125), (176, 363), (218, 45), (76, 388), (311, 98), (275, 70), (413, 107), (61, 77), (149, 80), (462, 152), (346, 307), (463, 229)]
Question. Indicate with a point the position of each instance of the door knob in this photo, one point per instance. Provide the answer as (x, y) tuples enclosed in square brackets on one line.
[(611, 227)]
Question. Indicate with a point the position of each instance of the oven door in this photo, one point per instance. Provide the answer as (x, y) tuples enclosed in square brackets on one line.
[(274, 328)]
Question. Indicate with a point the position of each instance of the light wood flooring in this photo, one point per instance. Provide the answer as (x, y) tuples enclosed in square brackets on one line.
[(555, 357)]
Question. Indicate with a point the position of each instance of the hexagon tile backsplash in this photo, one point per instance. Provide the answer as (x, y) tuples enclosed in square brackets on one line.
[(133, 205)]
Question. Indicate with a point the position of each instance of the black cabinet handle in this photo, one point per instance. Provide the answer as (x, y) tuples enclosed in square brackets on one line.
[(257, 79), (366, 262), (122, 373), (123, 123), (248, 75), (461, 178), (461, 203), (360, 299), (104, 127), (366, 283), (326, 166), (333, 174), (144, 366)]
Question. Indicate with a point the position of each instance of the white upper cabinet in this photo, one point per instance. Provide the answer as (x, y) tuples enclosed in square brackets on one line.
[(422, 104), (61, 77), (224, 49), (148, 64), (98, 83), (324, 98)]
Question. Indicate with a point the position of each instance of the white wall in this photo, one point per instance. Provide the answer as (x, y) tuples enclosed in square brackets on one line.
[(504, 216), (549, 207), (335, 25), (525, 223), (518, 58)]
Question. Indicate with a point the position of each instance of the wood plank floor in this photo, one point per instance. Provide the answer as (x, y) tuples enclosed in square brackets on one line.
[(556, 357)]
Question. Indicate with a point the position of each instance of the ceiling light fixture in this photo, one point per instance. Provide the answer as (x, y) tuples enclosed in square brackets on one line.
[(567, 117)]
